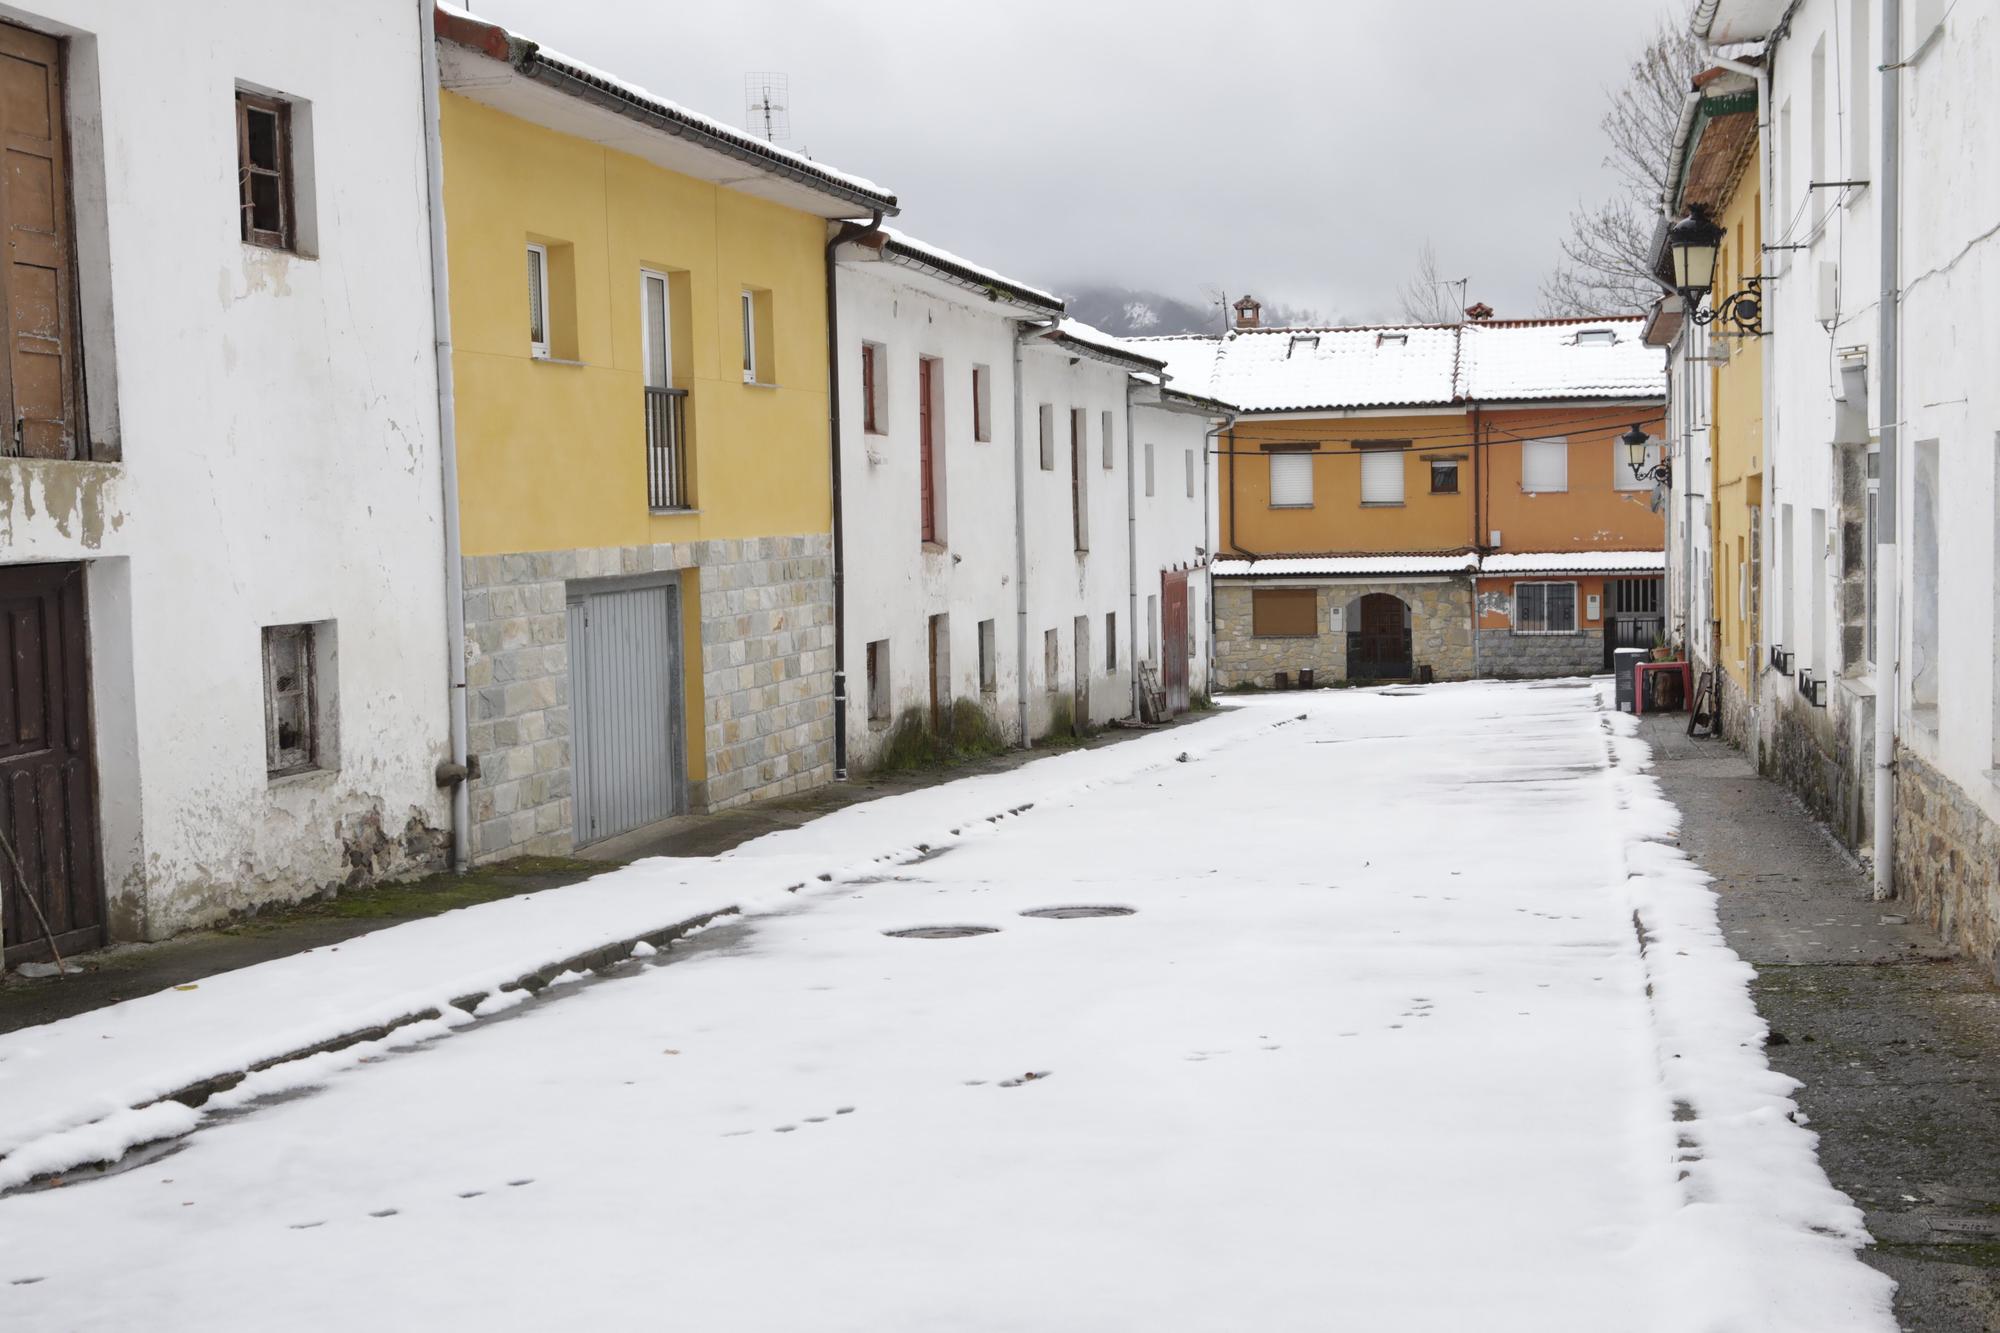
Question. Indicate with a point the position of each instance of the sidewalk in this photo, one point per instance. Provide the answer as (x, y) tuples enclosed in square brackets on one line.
[(1896, 1041)]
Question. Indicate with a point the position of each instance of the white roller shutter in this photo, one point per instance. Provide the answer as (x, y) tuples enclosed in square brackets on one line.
[(1291, 481), (1382, 477), (1545, 465)]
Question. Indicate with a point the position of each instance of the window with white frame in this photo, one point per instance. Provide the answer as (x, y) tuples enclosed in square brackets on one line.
[(1381, 474), (1545, 608), (749, 338), (538, 300), (1291, 480), (1544, 466)]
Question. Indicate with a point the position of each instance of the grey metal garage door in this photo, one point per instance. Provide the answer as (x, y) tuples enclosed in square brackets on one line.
[(625, 713)]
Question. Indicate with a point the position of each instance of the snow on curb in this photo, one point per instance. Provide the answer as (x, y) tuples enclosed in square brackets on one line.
[(88, 1089), (1750, 1178)]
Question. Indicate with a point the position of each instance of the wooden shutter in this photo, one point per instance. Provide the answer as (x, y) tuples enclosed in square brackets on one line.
[(1291, 481), (41, 363), (1284, 612), (1382, 477), (926, 449)]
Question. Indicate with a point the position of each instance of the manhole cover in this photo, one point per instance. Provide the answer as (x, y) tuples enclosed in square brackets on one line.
[(940, 932), (1071, 913)]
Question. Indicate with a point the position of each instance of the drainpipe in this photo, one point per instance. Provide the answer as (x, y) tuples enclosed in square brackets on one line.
[(1234, 545), (1021, 335), (455, 773), (848, 231), (1888, 577), (1478, 536), (1132, 547), (1208, 545)]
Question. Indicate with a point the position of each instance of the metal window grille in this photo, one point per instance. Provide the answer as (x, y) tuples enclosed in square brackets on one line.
[(1545, 608)]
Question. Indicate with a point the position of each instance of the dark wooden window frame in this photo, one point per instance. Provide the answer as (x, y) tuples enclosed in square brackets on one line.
[(285, 236), (1436, 464)]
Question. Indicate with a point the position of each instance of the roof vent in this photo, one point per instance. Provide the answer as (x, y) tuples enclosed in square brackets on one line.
[(1309, 341), (1249, 313), (1479, 312), (1596, 337), (1391, 339)]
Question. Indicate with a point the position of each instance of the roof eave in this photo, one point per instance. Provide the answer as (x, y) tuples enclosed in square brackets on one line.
[(1123, 360), (1023, 299)]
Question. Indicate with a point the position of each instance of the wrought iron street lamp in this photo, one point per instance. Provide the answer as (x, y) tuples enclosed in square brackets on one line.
[(1636, 442), (1695, 242)]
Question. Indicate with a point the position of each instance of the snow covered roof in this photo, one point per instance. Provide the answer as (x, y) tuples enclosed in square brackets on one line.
[(1575, 562), (1417, 365), (967, 273), (1541, 562), (1131, 353), (548, 88), (1283, 566), (1720, 21)]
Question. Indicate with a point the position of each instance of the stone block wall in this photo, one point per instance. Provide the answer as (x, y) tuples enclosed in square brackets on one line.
[(1505, 655), (1825, 755), (766, 657), (1440, 632), (1948, 859)]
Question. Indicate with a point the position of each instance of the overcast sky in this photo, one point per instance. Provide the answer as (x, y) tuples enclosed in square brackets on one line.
[(1302, 150)]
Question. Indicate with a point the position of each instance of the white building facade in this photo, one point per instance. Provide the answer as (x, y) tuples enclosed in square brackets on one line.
[(1883, 432), (1000, 538), (223, 550)]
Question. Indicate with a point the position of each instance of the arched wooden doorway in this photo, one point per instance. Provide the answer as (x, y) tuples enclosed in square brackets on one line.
[(1378, 638)]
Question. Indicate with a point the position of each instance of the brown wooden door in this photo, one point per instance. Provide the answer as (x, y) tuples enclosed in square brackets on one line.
[(48, 782), (926, 446), (44, 417), (1378, 643), (1174, 640)]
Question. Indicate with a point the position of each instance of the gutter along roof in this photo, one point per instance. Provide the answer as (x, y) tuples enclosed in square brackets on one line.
[(664, 132), (900, 246)]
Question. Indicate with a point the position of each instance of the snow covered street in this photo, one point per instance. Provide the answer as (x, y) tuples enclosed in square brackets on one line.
[(1416, 1022)]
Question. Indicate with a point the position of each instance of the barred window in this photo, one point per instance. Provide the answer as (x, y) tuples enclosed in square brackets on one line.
[(1545, 608)]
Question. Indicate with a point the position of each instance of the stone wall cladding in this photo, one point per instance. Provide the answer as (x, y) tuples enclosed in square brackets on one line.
[(1505, 655), (1825, 755), (1948, 859), (767, 677), (1440, 632), (1735, 702)]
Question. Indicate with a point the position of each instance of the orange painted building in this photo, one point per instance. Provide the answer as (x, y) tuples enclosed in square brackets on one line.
[(1457, 499)]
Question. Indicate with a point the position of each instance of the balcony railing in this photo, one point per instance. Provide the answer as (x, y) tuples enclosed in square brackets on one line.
[(666, 448)]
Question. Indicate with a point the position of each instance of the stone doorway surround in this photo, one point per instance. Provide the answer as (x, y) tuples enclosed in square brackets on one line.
[(1440, 628)]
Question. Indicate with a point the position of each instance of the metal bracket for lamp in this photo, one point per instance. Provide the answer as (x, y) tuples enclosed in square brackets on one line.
[(1742, 312)]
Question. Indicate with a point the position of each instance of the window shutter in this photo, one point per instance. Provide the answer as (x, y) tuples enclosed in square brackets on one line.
[(1382, 476), (1291, 480), (1545, 465)]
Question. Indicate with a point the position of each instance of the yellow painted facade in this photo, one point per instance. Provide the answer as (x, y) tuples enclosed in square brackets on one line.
[(1736, 437), (551, 452)]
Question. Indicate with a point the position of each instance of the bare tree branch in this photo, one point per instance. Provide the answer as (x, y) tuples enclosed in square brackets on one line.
[(1423, 296)]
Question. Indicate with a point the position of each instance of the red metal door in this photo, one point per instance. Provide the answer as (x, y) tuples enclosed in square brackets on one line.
[(926, 496), (48, 783), (1174, 640)]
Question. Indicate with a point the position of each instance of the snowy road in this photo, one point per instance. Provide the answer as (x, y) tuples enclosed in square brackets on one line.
[(1375, 1050)]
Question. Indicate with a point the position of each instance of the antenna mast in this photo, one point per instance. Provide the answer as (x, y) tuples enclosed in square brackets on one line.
[(767, 99)]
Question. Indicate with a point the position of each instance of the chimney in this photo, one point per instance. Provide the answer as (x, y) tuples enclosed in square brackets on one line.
[(1479, 312), (1249, 314)]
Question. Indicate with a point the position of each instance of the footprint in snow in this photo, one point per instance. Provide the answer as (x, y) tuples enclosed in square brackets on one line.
[(384, 1212), (524, 1180), (23, 1281)]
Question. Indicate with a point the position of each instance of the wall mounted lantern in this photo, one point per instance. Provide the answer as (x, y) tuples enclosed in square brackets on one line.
[(1636, 442), (1696, 242)]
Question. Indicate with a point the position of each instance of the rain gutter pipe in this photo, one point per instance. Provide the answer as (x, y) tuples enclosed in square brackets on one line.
[(1132, 549), (1234, 545), (456, 772), (848, 231), (1021, 336), (1888, 577), (1208, 543)]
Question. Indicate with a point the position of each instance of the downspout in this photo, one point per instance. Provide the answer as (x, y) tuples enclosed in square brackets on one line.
[(1478, 536), (1888, 577), (848, 231), (1208, 543), (1234, 545), (1021, 335), (456, 772), (1132, 548)]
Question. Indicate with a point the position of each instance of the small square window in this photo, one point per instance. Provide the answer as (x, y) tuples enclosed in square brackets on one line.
[(1444, 478), (264, 169), (293, 740)]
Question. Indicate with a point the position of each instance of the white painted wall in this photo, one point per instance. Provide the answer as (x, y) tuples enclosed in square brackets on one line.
[(277, 418), (1171, 523), (1690, 599), (895, 583)]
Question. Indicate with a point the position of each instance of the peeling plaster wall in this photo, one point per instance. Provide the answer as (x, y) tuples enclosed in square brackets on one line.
[(276, 420)]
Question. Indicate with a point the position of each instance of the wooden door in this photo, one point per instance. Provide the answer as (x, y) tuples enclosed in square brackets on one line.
[(44, 416), (926, 445), (48, 779), (1378, 643), (1174, 640)]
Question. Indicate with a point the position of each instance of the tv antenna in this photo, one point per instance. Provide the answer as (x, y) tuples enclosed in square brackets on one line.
[(767, 103)]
